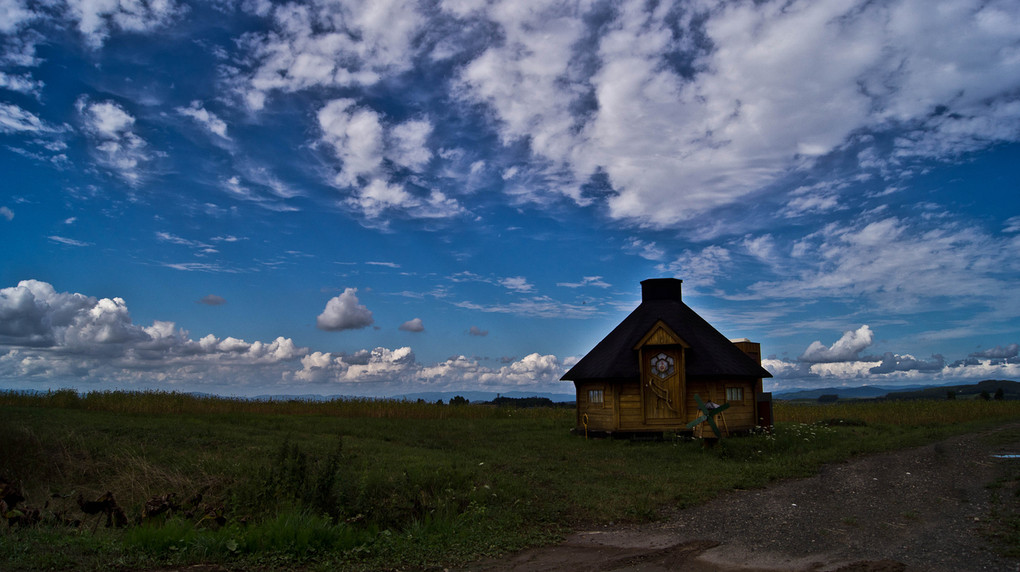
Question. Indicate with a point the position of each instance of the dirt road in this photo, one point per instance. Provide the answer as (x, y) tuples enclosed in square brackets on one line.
[(922, 510)]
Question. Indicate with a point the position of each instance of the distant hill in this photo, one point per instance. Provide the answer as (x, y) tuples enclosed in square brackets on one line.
[(1010, 390), (862, 392)]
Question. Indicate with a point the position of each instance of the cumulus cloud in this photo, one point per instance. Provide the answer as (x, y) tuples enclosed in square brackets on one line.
[(378, 365), (323, 43), (841, 365), (414, 325), (529, 370), (399, 369), (34, 315), (725, 99), (846, 348), (115, 144), (344, 312), (372, 152), (55, 337), (409, 147), (6, 213), (476, 331)]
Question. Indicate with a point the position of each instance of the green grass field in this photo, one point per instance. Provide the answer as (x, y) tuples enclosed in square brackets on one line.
[(377, 484)]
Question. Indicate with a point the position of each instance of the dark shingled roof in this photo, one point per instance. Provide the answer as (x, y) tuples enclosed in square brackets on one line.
[(711, 354)]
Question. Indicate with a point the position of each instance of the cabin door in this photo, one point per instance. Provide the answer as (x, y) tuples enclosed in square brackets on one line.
[(661, 387)]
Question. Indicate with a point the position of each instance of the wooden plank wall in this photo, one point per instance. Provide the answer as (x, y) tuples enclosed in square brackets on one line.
[(740, 415), (600, 416), (621, 409), (632, 416)]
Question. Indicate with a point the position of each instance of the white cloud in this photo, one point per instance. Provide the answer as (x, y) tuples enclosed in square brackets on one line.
[(261, 188), (701, 268), (529, 79), (586, 281), (363, 144), (378, 196), (889, 369), (68, 241), (517, 284), (394, 367), (646, 250), (770, 88), (14, 14), (55, 338), (14, 119), (205, 117), (20, 83), (96, 19), (115, 144), (327, 43), (356, 136), (1012, 225), (414, 325), (845, 349), (344, 312), (761, 247), (899, 266), (410, 144), (535, 307), (6, 213), (532, 370)]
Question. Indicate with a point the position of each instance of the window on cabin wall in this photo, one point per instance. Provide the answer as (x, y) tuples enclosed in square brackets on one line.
[(734, 394), (596, 398)]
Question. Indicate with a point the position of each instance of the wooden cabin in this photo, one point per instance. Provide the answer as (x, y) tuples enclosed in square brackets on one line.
[(643, 376)]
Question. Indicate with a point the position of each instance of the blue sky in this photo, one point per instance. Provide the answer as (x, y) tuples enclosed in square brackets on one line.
[(384, 197)]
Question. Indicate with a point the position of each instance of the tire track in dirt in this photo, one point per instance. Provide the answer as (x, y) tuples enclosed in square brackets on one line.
[(917, 510)]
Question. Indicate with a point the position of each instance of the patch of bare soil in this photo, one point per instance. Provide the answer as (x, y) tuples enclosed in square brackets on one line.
[(922, 510)]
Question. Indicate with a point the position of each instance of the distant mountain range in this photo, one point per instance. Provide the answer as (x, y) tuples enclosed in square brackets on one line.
[(1011, 390)]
